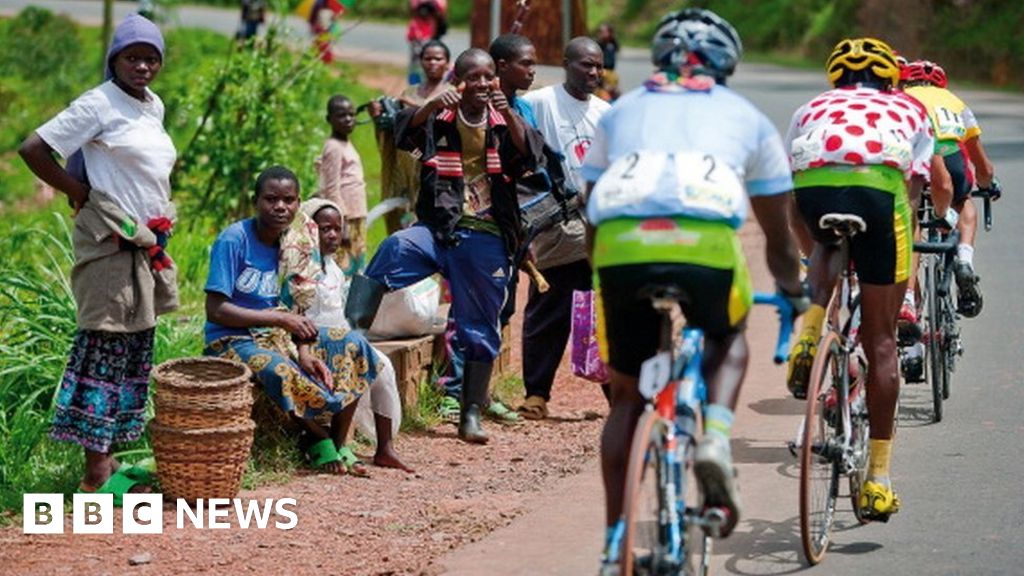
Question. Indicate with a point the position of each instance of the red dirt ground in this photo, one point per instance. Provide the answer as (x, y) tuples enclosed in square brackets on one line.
[(392, 523)]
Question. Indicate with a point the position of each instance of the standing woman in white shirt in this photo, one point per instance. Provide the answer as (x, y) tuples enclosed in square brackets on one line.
[(122, 279)]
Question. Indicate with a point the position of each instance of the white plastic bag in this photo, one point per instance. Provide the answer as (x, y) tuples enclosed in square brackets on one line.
[(409, 312)]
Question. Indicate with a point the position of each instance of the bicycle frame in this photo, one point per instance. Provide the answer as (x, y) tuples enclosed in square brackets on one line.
[(673, 384)]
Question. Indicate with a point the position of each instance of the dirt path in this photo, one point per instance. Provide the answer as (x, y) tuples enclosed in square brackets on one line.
[(390, 524)]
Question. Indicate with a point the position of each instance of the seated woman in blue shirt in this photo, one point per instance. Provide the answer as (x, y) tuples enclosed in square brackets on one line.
[(305, 370)]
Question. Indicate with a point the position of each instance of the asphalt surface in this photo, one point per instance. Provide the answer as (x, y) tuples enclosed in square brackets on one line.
[(960, 481)]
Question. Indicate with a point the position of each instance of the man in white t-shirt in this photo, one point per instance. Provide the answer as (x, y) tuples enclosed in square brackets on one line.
[(567, 116)]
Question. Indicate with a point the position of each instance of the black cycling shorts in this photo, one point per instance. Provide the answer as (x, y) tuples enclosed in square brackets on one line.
[(961, 174), (632, 325), (881, 254)]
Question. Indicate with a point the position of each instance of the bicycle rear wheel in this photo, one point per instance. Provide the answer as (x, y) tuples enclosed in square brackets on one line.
[(936, 339), (819, 468), (645, 542)]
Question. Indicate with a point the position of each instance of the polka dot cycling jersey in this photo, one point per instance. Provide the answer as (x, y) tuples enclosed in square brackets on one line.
[(861, 126)]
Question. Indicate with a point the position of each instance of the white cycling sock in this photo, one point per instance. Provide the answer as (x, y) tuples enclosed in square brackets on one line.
[(965, 252), (908, 298)]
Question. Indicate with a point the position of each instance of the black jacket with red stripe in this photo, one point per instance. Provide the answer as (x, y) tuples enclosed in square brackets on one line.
[(437, 145)]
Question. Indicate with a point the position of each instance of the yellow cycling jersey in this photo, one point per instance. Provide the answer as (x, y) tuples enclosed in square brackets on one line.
[(951, 118)]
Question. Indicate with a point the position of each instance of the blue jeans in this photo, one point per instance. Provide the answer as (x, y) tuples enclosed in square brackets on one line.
[(477, 268)]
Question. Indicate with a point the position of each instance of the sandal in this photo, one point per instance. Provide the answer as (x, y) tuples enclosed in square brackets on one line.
[(352, 464), (120, 483), (534, 408), (500, 413), (322, 453)]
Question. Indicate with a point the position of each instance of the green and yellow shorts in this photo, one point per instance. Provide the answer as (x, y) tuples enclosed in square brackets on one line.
[(877, 194), (704, 260)]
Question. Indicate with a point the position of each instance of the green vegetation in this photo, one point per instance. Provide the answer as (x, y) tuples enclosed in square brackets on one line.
[(978, 40)]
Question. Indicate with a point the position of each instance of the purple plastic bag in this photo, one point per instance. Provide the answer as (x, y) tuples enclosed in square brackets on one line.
[(586, 357)]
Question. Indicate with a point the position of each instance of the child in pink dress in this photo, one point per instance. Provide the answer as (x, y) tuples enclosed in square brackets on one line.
[(340, 173)]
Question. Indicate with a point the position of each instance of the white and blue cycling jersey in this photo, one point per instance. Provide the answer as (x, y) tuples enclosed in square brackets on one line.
[(698, 154)]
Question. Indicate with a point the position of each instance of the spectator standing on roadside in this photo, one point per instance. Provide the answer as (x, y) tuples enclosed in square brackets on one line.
[(253, 14), (473, 149), (340, 172), (609, 89), (399, 171), (427, 22), (515, 61), (567, 116)]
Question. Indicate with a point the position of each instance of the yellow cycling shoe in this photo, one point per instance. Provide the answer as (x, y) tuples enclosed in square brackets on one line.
[(877, 502), (801, 358)]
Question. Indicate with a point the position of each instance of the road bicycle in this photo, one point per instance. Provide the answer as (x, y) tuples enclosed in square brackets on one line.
[(665, 529), (833, 437), (940, 330)]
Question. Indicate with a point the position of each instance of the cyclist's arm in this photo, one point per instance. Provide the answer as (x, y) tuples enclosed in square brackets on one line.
[(772, 213), (983, 168)]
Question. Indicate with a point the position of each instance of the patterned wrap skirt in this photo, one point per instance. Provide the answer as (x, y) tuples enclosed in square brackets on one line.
[(102, 396), (349, 357)]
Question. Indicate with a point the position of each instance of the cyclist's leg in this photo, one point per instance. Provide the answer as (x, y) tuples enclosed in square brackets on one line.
[(882, 259), (631, 330), (813, 202), (717, 301), (969, 295)]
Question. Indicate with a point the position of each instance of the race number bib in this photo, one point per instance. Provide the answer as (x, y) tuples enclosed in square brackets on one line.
[(653, 183), (949, 124)]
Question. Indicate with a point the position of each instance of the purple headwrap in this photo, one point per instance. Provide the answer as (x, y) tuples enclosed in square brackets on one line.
[(134, 29)]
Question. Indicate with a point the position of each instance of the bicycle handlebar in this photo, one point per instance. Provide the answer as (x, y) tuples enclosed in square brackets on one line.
[(785, 310), (986, 195)]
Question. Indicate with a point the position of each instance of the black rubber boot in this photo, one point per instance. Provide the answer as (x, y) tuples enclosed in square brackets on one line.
[(363, 301), (475, 380)]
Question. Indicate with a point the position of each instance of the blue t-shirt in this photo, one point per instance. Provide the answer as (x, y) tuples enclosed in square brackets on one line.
[(243, 269), (525, 111), (711, 150)]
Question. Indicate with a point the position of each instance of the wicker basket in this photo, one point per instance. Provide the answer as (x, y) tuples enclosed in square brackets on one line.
[(205, 463), (201, 382), (186, 416)]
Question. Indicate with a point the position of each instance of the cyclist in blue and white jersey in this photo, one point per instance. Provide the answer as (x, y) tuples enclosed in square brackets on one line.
[(673, 167)]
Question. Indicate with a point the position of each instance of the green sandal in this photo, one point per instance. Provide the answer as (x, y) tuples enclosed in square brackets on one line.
[(120, 483), (500, 413), (351, 463), (322, 453)]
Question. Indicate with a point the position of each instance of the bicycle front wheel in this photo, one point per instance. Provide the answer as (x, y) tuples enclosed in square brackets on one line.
[(645, 545), (819, 452)]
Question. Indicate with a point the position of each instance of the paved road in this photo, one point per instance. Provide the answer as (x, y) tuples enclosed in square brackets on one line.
[(960, 480)]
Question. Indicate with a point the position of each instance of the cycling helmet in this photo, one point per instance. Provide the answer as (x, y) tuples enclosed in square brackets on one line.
[(923, 71), (698, 33), (858, 55)]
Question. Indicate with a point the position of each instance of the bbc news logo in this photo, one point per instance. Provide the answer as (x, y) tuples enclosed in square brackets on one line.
[(144, 514)]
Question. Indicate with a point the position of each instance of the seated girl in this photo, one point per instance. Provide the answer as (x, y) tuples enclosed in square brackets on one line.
[(328, 311), (307, 371)]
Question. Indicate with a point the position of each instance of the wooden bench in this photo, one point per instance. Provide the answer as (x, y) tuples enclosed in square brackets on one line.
[(414, 360)]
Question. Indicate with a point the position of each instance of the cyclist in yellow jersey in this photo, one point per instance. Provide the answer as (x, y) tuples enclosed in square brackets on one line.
[(957, 140)]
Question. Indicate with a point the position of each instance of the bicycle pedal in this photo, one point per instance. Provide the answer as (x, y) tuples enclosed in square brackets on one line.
[(794, 448), (712, 520)]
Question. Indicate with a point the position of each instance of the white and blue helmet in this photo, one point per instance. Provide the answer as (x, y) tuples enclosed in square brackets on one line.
[(702, 33)]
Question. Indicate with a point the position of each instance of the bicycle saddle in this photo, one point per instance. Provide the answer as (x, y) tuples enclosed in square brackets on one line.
[(843, 224)]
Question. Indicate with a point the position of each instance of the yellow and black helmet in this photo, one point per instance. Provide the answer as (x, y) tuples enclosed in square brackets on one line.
[(860, 54)]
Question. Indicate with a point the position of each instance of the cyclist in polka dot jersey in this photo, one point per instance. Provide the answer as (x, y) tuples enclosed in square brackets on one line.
[(862, 148)]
